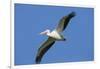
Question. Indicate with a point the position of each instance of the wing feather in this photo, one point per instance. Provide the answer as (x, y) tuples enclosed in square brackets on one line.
[(64, 22), (44, 48)]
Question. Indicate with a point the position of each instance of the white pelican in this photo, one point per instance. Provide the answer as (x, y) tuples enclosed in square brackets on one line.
[(53, 36)]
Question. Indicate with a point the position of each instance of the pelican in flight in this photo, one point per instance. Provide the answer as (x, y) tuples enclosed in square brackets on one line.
[(53, 36)]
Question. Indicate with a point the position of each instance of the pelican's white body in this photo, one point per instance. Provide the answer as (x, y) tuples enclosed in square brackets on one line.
[(55, 34)]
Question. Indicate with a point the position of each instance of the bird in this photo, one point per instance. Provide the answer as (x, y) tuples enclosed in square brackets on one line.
[(53, 36)]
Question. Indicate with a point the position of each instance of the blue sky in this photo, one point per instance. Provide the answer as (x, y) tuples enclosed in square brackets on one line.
[(30, 20)]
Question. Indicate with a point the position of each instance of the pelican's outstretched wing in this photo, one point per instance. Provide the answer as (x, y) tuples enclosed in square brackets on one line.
[(44, 48), (64, 22)]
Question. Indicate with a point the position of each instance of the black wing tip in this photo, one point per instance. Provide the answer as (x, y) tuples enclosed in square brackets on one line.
[(72, 14), (38, 60)]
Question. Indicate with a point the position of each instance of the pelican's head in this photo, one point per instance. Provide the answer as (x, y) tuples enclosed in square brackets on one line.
[(45, 32)]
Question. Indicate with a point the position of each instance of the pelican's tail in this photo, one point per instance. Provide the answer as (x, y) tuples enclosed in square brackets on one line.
[(64, 39)]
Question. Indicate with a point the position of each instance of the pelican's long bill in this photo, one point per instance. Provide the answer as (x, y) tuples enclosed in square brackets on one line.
[(45, 32)]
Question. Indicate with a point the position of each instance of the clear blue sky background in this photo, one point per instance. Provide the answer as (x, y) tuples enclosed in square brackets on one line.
[(30, 20)]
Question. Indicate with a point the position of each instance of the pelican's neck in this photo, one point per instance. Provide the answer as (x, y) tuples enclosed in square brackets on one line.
[(47, 32)]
